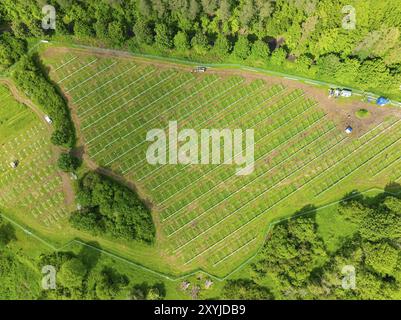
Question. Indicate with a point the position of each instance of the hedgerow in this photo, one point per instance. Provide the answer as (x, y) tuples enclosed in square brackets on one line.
[(29, 77)]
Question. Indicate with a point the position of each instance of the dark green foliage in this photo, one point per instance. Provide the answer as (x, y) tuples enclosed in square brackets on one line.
[(144, 291), (68, 163), (242, 48), (11, 49), (7, 233), (112, 209), (295, 258), (310, 32), (163, 37), (110, 283), (245, 289), (222, 47), (296, 242), (143, 33), (200, 43), (181, 42), (30, 79)]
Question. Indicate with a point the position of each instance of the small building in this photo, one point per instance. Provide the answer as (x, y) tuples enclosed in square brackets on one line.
[(48, 119), (346, 93), (348, 130), (200, 69), (14, 164), (382, 101)]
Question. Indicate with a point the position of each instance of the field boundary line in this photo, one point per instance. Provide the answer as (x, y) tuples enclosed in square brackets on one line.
[(91, 77), (270, 133), (117, 92), (184, 117), (107, 82), (242, 206), (126, 102), (181, 227), (71, 74), (289, 103), (144, 107), (246, 113)]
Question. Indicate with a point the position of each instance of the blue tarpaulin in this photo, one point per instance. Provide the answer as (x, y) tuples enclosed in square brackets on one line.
[(382, 101)]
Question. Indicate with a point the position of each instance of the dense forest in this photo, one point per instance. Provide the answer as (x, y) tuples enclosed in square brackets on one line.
[(314, 38), (297, 260), (79, 277), (108, 208)]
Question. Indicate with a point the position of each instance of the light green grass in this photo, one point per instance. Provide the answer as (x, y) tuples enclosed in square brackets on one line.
[(334, 228)]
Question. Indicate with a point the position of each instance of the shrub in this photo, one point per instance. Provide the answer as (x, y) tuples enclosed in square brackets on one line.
[(109, 208), (362, 113), (67, 162)]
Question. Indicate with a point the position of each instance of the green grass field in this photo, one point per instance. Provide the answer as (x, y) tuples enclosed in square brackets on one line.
[(207, 216), (33, 191)]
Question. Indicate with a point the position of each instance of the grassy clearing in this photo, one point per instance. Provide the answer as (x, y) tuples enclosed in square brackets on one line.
[(362, 114), (334, 228), (208, 217)]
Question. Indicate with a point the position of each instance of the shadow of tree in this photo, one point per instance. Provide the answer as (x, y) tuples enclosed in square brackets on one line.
[(307, 210), (393, 188), (90, 254), (7, 233)]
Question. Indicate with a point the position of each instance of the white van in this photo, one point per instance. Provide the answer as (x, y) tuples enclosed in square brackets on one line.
[(48, 119)]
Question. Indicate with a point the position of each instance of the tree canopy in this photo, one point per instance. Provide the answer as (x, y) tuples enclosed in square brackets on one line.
[(110, 208)]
